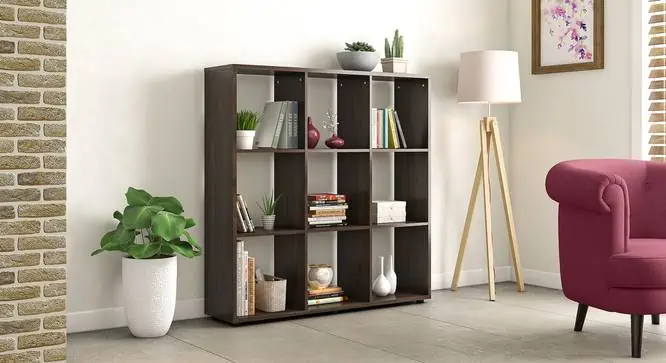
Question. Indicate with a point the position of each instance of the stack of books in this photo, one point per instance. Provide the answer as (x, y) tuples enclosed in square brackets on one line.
[(329, 295), (386, 130), (244, 222), (245, 282), (278, 126), (327, 210)]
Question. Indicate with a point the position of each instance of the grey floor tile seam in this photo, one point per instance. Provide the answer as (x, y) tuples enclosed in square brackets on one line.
[(202, 349), (357, 342)]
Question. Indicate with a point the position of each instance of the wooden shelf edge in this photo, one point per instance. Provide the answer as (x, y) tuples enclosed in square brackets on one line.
[(276, 232), (400, 225)]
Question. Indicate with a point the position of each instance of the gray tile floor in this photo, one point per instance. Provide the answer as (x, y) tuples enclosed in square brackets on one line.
[(462, 326)]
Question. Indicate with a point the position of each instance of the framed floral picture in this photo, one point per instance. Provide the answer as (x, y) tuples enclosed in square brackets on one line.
[(567, 35)]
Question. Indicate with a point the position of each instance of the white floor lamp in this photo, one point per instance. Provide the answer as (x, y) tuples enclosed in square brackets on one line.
[(490, 77)]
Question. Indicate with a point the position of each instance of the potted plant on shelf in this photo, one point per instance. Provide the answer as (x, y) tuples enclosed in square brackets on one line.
[(267, 206), (246, 125), (358, 56), (151, 231), (393, 52)]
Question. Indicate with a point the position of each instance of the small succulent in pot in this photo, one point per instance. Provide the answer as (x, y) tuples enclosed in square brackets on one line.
[(268, 205), (358, 56), (246, 125), (393, 60)]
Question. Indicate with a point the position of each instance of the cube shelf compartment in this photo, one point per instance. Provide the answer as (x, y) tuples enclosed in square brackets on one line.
[(354, 178)]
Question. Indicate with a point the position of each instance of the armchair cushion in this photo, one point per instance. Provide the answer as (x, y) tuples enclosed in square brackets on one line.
[(643, 266)]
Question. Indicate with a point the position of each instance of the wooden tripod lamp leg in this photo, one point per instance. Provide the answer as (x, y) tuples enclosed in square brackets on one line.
[(499, 157), (486, 204), (468, 223)]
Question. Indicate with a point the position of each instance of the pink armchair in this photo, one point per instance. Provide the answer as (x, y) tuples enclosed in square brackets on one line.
[(612, 237)]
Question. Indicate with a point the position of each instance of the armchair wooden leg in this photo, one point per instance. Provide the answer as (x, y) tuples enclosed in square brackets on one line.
[(636, 335), (655, 319), (580, 317)]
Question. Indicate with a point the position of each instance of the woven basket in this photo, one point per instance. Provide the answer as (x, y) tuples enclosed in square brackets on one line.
[(271, 294)]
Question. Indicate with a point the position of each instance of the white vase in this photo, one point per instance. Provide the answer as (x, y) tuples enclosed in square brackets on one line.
[(391, 276), (381, 286), (320, 276), (268, 222), (149, 293), (245, 139)]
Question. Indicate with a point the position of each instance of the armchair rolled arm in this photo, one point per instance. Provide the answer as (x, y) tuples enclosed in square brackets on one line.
[(588, 188)]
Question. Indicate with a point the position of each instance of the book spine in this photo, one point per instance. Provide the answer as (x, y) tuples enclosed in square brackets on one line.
[(327, 219), (245, 283), (328, 290), (325, 296), (280, 123), (378, 128), (328, 213), (293, 141), (325, 196), (246, 214), (285, 133), (380, 120), (328, 207), (373, 119), (251, 285), (386, 129), (239, 278), (400, 133), (326, 300), (394, 131), (239, 218)]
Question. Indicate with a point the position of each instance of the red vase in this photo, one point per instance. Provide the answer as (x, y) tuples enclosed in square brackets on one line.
[(335, 142), (313, 134)]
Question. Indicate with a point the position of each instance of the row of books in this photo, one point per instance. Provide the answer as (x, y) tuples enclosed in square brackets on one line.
[(386, 130), (244, 221), (245, 283), (327, 210), (329, 295), (278, 126)]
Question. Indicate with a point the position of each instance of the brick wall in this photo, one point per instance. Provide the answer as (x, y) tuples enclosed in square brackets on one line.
[(32, 180)]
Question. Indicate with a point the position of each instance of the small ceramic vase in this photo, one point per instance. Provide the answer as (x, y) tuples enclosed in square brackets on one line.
[(391, 276), (320, 276), (268, 222), (313, 134), (381, 286), (335, 142)]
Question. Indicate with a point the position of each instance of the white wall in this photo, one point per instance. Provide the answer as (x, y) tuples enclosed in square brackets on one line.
[(565, 116), (136, 114)]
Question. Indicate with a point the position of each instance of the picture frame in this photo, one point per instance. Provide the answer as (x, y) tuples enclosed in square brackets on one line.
[(563, 39)]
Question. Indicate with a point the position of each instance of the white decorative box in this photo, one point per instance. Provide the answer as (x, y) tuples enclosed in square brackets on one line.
[(388, 211)]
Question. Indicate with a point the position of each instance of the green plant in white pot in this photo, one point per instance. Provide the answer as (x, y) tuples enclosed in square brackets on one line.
[(393, 60), (246, 126), (150, 232), (267, 206)]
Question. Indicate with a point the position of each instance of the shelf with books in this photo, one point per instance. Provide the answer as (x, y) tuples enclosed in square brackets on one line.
[(297, 172)]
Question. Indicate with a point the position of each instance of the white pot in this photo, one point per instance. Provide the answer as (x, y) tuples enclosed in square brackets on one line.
[(245, 139), (394, 65), (268, 222), (149, 292)]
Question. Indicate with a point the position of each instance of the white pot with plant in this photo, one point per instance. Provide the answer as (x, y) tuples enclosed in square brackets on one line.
[(393, 52), (246, 126), (267, 206), (358, 56), (151, 231)]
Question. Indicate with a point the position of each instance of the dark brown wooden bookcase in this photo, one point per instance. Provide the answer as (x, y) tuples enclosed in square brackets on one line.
[(354, 178)]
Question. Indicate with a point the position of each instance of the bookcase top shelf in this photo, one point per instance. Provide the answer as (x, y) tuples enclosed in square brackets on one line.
[(328, 151), (311, 72)]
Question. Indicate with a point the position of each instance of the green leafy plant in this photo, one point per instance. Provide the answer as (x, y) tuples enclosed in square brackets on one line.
[(268, 203), (359, 47), (246, 120), (396, 48), (150, 227)]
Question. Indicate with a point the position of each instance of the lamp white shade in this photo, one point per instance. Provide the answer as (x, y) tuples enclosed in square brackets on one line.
[(489, 76)]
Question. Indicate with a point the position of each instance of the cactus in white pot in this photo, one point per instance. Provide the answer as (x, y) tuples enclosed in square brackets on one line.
[(393, 60)]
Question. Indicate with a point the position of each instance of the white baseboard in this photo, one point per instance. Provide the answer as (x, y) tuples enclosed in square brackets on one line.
[(470, 277), (115, 317), (542, 278)]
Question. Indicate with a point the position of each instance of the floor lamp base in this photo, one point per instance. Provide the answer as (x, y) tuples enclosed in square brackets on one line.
[(490, 137)]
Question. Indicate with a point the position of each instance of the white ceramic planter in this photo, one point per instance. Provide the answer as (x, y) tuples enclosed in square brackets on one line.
[(149, 292), (268, 222), (245, 139), (394, 65)]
